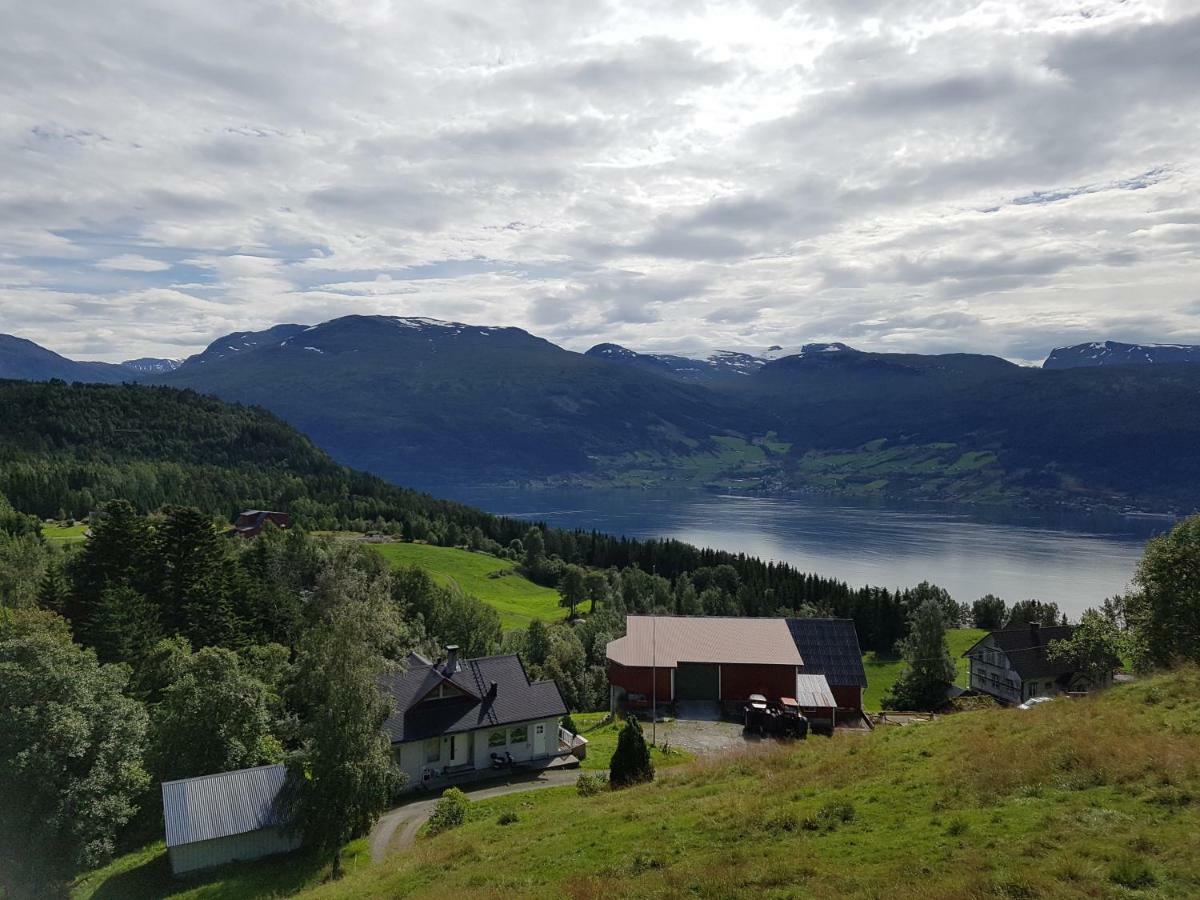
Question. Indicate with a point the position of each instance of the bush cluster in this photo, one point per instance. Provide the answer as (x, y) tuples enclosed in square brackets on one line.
[(450, 812)]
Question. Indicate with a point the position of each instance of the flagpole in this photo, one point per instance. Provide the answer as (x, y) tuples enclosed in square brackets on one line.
[(654, 679)]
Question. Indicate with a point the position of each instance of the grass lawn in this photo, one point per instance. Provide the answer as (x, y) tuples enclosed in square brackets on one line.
[(1090, 798), (882, 671), (64, 533), (494, 581), (602, 742), (145, 873)]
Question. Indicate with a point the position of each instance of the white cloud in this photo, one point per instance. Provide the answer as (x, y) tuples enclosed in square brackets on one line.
[(991, 177), (132, 262)]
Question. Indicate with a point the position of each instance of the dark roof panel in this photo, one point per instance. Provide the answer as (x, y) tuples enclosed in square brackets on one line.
[(830, 648), (516, 698)]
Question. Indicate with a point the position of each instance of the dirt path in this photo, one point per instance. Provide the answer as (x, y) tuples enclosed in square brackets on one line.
[(398, 828)]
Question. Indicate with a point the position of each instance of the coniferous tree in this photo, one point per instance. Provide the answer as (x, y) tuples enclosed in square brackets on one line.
[(124, 625), (115, 554), (194, 578), (631, 760), (928, 668)]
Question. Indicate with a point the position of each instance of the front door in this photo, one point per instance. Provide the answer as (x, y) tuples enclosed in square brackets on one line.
[(460, 749)]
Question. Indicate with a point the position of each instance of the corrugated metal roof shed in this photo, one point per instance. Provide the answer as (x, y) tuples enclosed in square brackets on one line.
[(215, 806), (813, 691), (668, 640)]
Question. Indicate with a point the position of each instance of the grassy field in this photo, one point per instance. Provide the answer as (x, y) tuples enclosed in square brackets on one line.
[(602, 742), (882, 671), (145, 874), (494, 581), (1073, 799), (65, 534)]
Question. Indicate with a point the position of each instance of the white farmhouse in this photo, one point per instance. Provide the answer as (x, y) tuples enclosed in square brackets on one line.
[(1012, 664), (450, 717)]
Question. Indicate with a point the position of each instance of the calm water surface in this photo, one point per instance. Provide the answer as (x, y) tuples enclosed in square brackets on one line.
[(1073, 560)]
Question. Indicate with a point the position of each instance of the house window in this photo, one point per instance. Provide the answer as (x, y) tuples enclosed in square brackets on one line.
[(496, 739), (519, 735), (433, 750)]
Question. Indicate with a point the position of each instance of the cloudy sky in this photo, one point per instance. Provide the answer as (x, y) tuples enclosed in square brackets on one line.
[(995, 176)]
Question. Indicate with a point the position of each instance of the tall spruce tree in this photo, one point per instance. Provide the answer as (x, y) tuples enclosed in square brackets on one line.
[(193, 587), (115, 554), (928, 668)]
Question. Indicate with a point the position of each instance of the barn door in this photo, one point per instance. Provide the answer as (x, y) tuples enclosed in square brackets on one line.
[(697, 681)]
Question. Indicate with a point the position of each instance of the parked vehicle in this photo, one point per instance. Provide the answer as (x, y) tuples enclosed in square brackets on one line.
[(782, 719), (1034, 701)]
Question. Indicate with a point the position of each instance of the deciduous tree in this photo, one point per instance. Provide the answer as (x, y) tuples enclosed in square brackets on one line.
[(345, 776), (71, 746), (1163, 610)]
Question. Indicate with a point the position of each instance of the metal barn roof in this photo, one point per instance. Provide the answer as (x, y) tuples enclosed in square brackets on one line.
[(813, 691), (216, 806), (830, 648), (669, 640)]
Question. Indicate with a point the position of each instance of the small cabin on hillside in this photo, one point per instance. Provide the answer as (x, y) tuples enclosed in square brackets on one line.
[(223, 818), (449, 717), (252, 521), (664, 659), (1012, 664)]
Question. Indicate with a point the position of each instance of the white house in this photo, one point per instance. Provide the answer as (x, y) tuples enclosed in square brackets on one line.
[(1012, 664), (450, 716)]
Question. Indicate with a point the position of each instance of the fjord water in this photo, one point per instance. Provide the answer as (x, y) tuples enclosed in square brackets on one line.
[(1073, 559)]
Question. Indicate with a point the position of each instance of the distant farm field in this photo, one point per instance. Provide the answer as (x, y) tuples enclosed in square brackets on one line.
[(494, 581), (882, 671), (64, 533)]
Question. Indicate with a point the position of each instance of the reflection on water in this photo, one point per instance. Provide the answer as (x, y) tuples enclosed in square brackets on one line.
[(1074, 560)]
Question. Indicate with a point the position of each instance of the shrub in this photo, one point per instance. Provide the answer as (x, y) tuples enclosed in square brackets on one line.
[(590, 785), (450, 812), (508, 818), (631, 761), (569, 724)]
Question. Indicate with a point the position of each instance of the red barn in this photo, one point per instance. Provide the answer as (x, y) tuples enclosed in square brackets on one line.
[(667, 658), (252, 521), (702, 658)]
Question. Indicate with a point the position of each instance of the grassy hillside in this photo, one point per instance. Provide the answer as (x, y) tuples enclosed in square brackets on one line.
[(494, 581), (882, 671), (1087, 798), (145, 874)]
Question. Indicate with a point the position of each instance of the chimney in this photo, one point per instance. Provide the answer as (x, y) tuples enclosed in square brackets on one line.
[(1035, 632), (451, 659), (492, 690)]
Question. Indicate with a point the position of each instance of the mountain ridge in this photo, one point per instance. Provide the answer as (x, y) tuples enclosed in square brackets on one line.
[(432, 403)]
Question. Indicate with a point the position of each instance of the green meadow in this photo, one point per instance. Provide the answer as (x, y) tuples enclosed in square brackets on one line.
[(494, 581)]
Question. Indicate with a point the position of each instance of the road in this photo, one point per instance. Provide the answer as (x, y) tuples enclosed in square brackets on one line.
[(398, 828)]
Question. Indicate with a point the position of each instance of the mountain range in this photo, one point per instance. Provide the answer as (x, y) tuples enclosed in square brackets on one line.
[(430, 403)]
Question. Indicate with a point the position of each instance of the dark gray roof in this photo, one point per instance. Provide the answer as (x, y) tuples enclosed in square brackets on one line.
[(829, 647), (214, 806), (516, 698), (1026, 650)]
